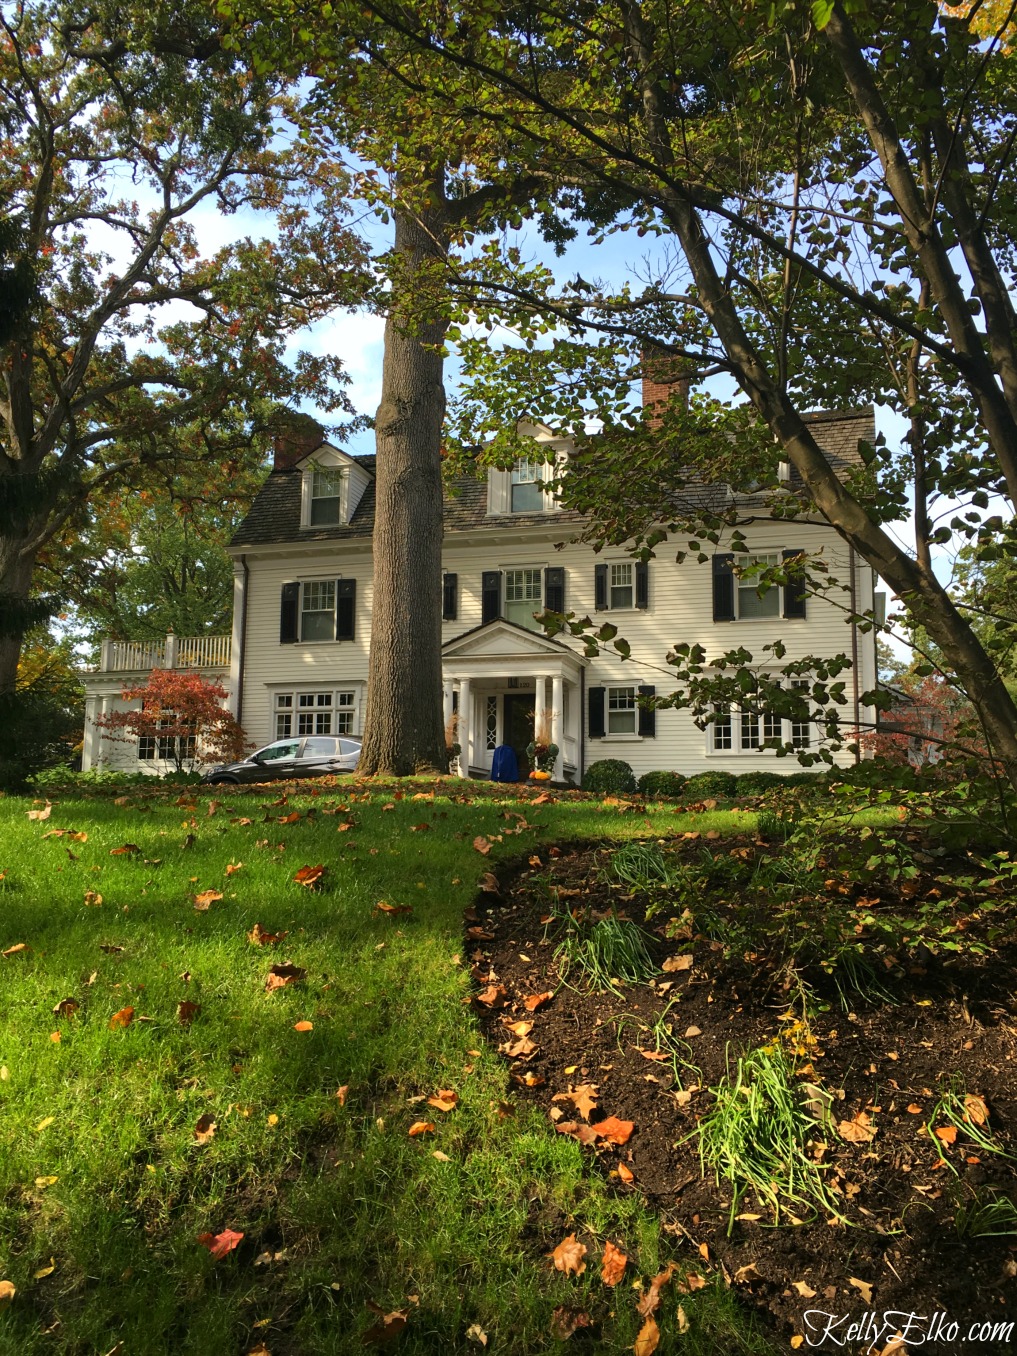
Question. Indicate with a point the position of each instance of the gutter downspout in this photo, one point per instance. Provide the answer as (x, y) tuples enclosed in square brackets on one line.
[(582, 724), (243, 641), (854, 651)]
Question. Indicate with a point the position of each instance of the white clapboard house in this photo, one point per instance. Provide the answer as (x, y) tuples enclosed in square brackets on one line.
[(298, 656)]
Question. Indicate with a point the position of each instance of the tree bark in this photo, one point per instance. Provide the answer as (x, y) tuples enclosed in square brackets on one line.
[(403, 729), (15, 588)]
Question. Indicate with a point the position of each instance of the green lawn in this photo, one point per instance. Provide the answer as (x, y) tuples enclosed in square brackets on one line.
[(104, 1186)]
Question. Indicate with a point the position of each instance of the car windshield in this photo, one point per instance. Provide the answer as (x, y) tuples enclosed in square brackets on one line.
[(287, 748)]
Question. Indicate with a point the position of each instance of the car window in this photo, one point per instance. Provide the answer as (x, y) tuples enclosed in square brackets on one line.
[(287, 749), (318, 746), (347, 746)]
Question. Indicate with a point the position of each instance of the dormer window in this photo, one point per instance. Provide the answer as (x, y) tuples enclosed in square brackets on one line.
[(326, 496), (332, 486), (527, 487)]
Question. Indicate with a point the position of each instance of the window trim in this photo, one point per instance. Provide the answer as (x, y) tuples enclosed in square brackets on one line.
[(307, 493), (294, 691), (301, 639), (619, 710), (537, 570)]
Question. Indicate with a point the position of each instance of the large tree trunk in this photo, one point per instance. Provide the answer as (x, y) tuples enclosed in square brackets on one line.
[(404, 730), (16, 611)]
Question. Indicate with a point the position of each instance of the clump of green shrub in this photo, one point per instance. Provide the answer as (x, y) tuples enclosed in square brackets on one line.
[(758, 783), (612, 776), (64, 778), (710, 784), (655, 784)]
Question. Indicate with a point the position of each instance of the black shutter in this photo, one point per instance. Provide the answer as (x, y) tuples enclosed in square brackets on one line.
[(490, 596), (595, 707), (642, 584), (647, 716), (450, 597), (723, 589), (600, 587), (554, 588), (794, 589), (345, 608), (289, 614)]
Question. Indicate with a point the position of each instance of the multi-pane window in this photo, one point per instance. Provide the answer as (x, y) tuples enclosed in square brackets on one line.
[(146, 746), (750, 604), (317, 610), (620, 585), (283, 715), (801, 730), (491, 727), (345, 712), (522, 596), (527, 487), (315, 713), (621, 710), (165, 746), (326, 495), (749, 730), (723, 731)]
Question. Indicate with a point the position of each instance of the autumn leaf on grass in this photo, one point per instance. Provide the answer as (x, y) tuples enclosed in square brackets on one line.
[(493, 996), (387, 1328), (220, 1244), (533, 1001), (290, 818), (421, 1128), (612, 1264), (422, 827), (205, 1129), (67, 1007), (187, 1011), (567, 1320), (92, 899), (13, 950), (583, 1098), (647, 1338), (41, 814), (482, 845), (390, 910), (303, 1026), (650, 1302), (205, 899), (568, 1256), (259, 938), (128, 850), (311, 876), (7, 1292), (121, 1019), (233, 867), (281, 975), (444, 1100)]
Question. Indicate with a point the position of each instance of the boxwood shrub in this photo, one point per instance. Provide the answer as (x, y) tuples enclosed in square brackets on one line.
[(705, 784), (757, 783), (653, 784), (611, 775)]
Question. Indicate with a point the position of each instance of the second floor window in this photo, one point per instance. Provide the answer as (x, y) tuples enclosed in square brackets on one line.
[(522, 597), (326, 495), (527, 487), (317, 610)]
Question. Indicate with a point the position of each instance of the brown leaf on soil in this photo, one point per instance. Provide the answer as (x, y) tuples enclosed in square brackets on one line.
[(281, 975), (13, 950), (187, 1011), (493, 996), (311, 876), (863, 1286), (520, 1048), (421, 1128), (205, 1129), (583, 1098), (804, 1290), (857, 1131), (390, 910), (67, 1007), (387, 1328), (529, 1079), (567, 1320), (220, 1244), (121, 1019), (585, 1134), (517, 1028), (976, 1109), (489, 883), (259, 938), (41, 814), (915, 1110), (647, 1338), (207, 897), (626, 1174), (568, 1256), (675, 964), (533, 1001), (658, 1055), (614, 1130), (444, 1100), (651, 1300), (482, 845), (612, 1264), (947, 1133), (747, 1274)]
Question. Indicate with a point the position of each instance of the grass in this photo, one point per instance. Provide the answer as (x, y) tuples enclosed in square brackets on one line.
[(104, 1187), (605, 953)]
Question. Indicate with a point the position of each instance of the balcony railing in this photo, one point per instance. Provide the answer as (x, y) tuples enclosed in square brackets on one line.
[(175, 652)]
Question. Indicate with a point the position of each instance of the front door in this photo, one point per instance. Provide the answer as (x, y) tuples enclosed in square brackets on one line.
[(517, 727)]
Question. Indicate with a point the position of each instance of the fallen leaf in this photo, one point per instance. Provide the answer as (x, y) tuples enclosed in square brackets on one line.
[(92, 899), (567, 1320), (67, 1007), (187, 1011), (205, 899), (44, 1271), (258, 937), (533, 1001), (804, 1290), (424, 827), (614, 1130), (693, 1281), (682, 1320), (442, 1158), (863, 1286), (220, 1244), (477, 1334), (128, 850), (121, 1019), (205, 1129), (529, 1079), (303, 1026), (5, 1073), (341, 1094), (281, 975), (747, 1274), (857, 1131), (660, 1056), (493, 996), (311, 876), (519, 1049), (489, 883), (568, 1256), (482, 845), (976, 1109), (675, 964), (40, 814), (612, 1264), (647, 1338), (43, 1182), (13, 950), (389, 1325), (444, 1100), (421, 1128), (517, 1028), (947, 1133), (583, 1098), (650, 1302), (55, 1037), (7, 1292), (797, 1341), (290, 818), (692, 1031), (626, 1174), (391, 909), (915, 1110), (233, 867)]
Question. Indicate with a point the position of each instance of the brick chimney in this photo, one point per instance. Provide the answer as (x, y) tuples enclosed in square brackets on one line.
[(294, 436), (663, 376)]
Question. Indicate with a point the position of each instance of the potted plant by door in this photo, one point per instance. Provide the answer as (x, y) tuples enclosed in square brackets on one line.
[(542, 755)]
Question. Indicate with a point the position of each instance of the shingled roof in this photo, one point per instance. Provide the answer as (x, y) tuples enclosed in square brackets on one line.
[(274, 517)]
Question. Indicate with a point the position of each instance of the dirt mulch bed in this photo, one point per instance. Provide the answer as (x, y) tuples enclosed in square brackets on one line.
[(900, 1249)]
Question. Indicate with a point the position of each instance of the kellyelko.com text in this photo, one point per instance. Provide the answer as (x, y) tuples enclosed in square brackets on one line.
[(913, 1330)]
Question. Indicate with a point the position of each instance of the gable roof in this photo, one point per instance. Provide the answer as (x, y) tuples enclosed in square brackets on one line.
[(274, 517)]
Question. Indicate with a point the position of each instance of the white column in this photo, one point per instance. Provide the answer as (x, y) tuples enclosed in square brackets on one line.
[(88, 744), (557, 724), (106, 659), (465, 722), (170, 655), (539, 703), (105, 707), (446, 702)]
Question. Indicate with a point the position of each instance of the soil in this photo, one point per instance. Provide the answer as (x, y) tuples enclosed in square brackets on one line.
[(880, 1066)]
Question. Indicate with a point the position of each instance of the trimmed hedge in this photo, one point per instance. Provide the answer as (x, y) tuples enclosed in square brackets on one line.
[(705, 784), (653, 784), (758, 783), (611, 775)]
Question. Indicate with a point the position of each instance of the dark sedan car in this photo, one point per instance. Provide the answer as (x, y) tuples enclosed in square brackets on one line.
[(313, 756)]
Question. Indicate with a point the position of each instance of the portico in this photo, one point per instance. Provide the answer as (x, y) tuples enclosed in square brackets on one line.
[(506, 684)]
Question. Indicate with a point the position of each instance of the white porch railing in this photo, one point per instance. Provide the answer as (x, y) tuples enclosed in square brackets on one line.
[(175, 652)]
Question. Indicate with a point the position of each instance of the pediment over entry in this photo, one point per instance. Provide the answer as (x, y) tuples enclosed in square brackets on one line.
[(505, 640)]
